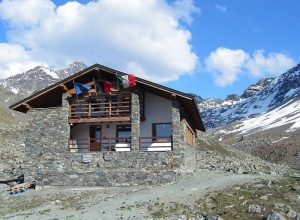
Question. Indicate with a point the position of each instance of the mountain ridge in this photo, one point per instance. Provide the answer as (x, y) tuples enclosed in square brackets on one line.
[(258, 98), (39, 78)]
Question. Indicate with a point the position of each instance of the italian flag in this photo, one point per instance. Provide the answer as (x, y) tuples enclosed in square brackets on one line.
[(125, 81)]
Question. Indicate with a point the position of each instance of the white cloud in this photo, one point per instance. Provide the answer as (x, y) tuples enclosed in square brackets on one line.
[(183, 9), (23, 13), (136, 35), (221, 8), (226, 64), (271, 64), (14, 59)]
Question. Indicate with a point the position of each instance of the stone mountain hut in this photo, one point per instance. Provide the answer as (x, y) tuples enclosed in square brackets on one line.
[(104, 127)]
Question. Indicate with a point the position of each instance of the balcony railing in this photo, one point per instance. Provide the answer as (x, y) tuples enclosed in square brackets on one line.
[(119, 144), (156, 144), (114, 106), (99, 144)]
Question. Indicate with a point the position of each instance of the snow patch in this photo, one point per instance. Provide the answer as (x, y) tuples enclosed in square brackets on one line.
[(50, 72), (14, 90), (280, 139), (288, 113), (291, 93)]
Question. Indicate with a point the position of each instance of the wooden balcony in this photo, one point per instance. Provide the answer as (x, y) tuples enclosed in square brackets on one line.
[(102, 108)]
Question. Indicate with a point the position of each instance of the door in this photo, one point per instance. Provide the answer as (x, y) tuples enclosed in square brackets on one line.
[(95, 137)]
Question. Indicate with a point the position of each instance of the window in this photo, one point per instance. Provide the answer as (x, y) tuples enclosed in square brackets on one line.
[(162, 130), (123, 132)]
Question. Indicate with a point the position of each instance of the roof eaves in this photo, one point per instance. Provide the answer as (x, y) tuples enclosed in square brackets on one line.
[(52, 86)]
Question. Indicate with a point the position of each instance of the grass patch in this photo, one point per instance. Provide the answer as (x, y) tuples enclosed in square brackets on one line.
[(212, 145), (233, 203)]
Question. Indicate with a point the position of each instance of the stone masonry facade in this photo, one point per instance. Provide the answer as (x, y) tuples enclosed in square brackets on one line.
[(49, 161)]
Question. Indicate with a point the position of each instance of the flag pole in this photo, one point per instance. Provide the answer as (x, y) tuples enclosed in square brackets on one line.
[(75, 90), (96, 91)]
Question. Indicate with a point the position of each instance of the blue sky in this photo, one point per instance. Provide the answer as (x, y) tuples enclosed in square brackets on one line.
[(210, 48)]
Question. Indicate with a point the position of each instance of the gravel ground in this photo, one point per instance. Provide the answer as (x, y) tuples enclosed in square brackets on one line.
[(115, 202)]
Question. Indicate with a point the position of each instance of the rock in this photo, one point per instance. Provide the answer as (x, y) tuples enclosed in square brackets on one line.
[(57, 202), (259, 186), (292, 214), (254, 208), (238, 170), (296, 188), (211, 218), (269, 184), (39, 187), (229, 206), (275, 216), (279, 205), (264, 197)]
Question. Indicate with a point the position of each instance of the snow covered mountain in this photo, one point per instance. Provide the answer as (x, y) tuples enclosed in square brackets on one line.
[(257, 99), (38, 78)]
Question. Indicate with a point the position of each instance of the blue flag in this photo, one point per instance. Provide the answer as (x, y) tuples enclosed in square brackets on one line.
[(81, 88)]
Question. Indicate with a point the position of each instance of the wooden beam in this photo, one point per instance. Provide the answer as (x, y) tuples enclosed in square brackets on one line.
[(65, 88), (99, 120), (27, 105)]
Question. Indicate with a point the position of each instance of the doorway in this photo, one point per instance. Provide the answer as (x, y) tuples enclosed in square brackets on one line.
[(95, 137)]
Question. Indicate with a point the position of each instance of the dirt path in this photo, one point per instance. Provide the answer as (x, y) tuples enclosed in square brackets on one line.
[(117, 202)]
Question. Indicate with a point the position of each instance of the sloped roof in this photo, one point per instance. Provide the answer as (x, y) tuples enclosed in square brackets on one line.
[(51, 96)]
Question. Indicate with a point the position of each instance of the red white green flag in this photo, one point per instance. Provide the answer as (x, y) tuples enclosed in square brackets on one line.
[(125, 81)]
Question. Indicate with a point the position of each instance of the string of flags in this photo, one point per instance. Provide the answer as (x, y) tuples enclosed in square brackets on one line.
[(123, 82)]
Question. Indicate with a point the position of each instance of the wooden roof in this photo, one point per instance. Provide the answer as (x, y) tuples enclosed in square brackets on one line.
[(52, 95)]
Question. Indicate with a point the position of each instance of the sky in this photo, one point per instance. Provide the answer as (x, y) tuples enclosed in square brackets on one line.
[(211, 48)]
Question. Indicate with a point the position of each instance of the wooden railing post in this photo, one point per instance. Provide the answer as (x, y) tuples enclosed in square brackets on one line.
[(109, 108), (90, 110)]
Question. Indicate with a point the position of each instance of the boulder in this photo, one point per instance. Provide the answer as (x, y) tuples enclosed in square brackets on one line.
[(292, 214), (254, 208), (296, 188), (275, 216)]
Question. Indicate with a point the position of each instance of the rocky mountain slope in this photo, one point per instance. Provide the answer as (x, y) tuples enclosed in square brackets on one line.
[(265, 122), (38, 78), (257, 99), (8, 117)]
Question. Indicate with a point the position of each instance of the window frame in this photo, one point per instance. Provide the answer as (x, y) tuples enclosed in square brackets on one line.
[(127, 139), (154, 135)]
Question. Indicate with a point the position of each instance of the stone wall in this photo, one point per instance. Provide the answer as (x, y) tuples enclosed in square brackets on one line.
[(176, 129), (135, 119), (115, 169)]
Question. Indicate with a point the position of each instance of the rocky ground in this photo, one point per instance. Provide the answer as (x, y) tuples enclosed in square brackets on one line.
[(212, 155), (216, 195), (274, 145)]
